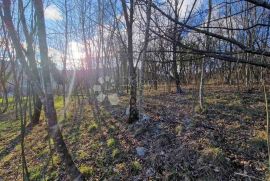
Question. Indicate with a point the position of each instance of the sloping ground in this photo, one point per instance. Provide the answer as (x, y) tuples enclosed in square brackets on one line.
[(226, 141)]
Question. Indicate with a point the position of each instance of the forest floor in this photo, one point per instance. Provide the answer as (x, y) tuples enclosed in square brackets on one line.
[(226, 141)]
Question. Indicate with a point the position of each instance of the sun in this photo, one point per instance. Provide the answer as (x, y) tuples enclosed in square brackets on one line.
[(76, 54), (76, 50)]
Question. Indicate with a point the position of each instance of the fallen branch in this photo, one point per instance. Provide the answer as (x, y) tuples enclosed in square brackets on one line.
[(245, 175)]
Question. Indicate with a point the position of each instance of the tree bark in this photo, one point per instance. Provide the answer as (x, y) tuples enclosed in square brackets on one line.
[(201, 91), (133, 112), (32, 62), (50, 111), (175, 38), (146, 40), (47, 97)]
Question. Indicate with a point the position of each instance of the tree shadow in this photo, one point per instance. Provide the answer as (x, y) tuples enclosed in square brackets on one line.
[(15, 141)]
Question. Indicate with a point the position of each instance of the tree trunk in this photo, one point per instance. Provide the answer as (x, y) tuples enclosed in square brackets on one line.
[(133, 112), (37, 110), (201, 101), (32, 62), (50, 111), (201, 91), (47, 97), (146, 40)]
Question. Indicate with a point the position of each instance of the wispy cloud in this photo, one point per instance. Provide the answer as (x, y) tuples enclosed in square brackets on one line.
[(52, 12)]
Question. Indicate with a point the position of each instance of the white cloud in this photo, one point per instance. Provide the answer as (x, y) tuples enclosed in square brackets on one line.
[(52, 12)]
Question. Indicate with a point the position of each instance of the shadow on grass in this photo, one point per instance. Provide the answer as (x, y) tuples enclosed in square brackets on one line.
[(14, 142)]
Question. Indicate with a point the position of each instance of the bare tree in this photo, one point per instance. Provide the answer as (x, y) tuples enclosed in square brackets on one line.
[(144, 53), (47, 95), (207, 44), (128, 14)]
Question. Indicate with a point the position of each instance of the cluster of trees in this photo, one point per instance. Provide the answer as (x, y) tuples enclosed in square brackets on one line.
[(134, 42)]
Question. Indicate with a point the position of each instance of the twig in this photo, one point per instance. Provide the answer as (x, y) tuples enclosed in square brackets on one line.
[(245, 175)]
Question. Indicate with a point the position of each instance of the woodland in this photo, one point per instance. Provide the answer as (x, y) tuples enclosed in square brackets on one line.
[(134, 90)]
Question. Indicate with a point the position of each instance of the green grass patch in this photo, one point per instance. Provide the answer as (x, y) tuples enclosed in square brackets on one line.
[(56, 159), (44, 152), (179, 129), (58, 102), (92, 127), (115, 153), (111, 142), (200, 110), (136, 166), (87, 170), (95, 146), (111, 128), (35, 173), (10, 99), (82, 154), (52, 175)]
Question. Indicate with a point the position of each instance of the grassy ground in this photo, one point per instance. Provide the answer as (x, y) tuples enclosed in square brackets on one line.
[(225, 141)]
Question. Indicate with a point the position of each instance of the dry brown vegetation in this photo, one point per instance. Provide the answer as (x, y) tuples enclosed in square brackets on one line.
[(225, 141)]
